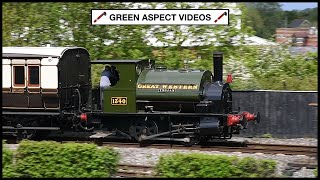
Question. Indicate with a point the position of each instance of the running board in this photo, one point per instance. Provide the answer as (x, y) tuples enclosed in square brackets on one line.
[(31, 113), (30, 128)]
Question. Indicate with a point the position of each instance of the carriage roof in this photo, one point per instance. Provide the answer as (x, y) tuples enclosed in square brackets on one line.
[(36, 51)]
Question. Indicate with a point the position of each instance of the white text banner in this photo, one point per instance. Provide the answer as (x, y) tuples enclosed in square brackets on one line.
[(160, 17)]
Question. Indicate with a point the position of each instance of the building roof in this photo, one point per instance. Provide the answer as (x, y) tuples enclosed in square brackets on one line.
[(297, 23), (35, 51), (255, 40)]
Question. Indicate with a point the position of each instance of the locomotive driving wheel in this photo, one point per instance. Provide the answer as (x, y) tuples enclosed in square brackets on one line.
[(140, 128)]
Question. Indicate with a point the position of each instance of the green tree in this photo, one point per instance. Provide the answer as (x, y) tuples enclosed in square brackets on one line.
[(68, 24), (271, 15), (289, 16), (180, 43), (253, 18), (310, 14)]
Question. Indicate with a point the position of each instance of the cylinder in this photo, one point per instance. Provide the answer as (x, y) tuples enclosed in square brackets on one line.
[(217, 66)]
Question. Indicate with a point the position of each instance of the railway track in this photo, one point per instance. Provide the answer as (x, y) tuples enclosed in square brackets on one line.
[(135, 171), (248, 148), (230, 146), (284, 149)]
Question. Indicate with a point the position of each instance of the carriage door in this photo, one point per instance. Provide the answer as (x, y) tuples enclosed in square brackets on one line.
[(26, 83), (19, 89), (33, 83)]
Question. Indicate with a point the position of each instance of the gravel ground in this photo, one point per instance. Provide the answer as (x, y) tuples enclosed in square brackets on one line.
[(150, 156)]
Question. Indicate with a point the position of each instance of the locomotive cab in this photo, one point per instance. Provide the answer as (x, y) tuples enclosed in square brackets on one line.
[(122, 96)]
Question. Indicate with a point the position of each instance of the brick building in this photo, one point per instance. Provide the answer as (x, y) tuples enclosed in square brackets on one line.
[(299, 33)]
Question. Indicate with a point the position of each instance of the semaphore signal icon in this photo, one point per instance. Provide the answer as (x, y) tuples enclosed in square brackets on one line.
[(103, 14), (224, 14)]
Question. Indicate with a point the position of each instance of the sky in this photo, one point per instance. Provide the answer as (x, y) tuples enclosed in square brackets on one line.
[(298, 5)]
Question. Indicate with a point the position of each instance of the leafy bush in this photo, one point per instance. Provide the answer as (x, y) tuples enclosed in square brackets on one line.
[(213, 166), (7, 163), (6, 155), (251, 167), (272, 68), (48, 159), (315, 172)]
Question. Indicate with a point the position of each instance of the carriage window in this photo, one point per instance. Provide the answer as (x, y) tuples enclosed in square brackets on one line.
[(33, 76), (18, 75)]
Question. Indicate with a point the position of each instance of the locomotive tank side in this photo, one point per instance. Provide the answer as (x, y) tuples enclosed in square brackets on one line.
[(168, 90), (160, 85)]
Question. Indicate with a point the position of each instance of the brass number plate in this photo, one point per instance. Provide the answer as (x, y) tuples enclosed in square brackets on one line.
[(118, 101)]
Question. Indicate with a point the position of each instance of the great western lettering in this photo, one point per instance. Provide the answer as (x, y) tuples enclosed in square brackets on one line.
[(168, 86)]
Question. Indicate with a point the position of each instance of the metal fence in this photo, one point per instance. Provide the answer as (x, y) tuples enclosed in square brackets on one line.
[(284, 114)]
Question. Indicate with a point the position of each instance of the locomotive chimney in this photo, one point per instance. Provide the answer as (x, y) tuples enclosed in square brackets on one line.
[(217, 66)]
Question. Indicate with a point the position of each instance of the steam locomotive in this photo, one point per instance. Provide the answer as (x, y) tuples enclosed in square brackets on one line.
[(49, 89)]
